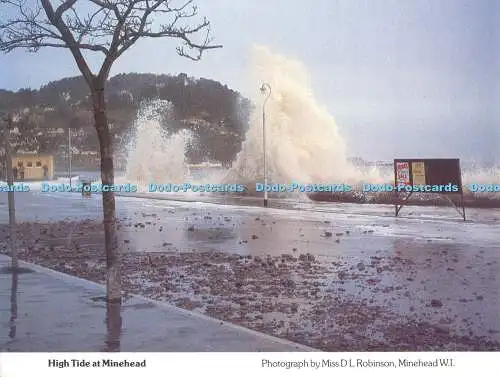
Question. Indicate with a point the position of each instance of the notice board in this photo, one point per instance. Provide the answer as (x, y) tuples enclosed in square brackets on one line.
[(428, 171)]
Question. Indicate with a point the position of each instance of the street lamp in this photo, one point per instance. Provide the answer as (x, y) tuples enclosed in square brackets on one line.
[(265, 89)]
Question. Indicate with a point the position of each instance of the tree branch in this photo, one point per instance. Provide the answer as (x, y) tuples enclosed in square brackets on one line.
[(56, 20), (108, 27)]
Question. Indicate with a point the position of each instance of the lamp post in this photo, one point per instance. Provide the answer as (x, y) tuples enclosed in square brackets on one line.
[(265, 89)]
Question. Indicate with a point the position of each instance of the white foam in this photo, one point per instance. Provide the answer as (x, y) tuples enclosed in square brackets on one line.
[(304, 143), (154, 154)]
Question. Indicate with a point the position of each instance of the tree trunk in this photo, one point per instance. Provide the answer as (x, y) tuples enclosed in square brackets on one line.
[(113, 278), (12, 207), (108, 198), (13, 304)]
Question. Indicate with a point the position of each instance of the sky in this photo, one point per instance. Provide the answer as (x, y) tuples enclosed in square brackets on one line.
[(415, 78)]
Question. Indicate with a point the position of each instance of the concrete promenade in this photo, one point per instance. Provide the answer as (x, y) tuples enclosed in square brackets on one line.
[(60, 313)]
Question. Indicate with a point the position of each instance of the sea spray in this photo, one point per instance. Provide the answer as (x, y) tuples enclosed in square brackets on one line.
[(303, 141), (155, 155)]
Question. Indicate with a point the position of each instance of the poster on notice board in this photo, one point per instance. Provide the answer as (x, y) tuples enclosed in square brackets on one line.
[(403, 173)]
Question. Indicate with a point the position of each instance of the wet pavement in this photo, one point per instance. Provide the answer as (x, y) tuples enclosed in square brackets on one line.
[(323, 230), (46, 311), (426, 281)]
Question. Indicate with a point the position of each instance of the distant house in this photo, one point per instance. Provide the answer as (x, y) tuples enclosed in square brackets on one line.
[(33, 167), (54, 131), (88, 153), (78, 133), (195, 122)]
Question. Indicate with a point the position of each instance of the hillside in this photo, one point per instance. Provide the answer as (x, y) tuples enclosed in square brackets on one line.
[(217, 115)]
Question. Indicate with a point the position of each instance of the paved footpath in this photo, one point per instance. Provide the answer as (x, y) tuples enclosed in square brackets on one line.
[(61, 313)]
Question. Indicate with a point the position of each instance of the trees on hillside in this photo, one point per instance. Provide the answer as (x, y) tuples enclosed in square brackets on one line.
[(225, 112), (108, 28)]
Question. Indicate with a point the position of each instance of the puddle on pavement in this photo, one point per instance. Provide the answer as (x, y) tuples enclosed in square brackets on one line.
[(8, 270)]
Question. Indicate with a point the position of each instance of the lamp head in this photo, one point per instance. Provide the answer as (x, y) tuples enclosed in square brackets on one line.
[(263, 89)]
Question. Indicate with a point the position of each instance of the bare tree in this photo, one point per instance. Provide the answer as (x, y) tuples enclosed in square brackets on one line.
[(6, 136), (109, 28)]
